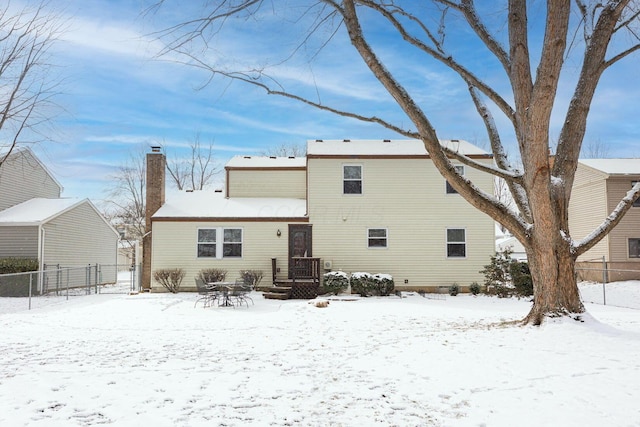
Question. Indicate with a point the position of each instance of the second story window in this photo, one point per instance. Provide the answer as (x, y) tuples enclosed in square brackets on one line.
[(352, 179), (450, 189), (636, 203)]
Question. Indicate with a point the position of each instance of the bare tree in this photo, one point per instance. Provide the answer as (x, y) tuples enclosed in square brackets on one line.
[(596, 149), (126, 208), (195, 172), (581, 29), (27, 83), (285, 150)]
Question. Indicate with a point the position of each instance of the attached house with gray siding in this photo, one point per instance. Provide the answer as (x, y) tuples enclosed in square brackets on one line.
[(357, 205), (35, 222)]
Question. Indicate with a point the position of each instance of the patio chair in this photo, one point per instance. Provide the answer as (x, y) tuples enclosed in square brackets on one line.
[(240, 292), (205, 294)]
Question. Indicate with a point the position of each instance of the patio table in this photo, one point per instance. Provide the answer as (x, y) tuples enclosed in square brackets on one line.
[(224, 287)]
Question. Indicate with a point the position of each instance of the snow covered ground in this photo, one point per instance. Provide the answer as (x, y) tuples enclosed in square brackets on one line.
[(155, 360)]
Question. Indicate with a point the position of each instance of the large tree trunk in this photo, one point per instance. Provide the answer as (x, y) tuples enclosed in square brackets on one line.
[(552, 268)]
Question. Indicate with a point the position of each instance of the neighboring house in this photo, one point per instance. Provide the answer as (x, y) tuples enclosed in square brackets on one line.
[(375, 206), (36, 223), (506, 241), (598, 187)]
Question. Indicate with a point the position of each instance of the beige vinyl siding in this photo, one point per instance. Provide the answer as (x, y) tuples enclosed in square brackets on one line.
[(629, 226), (19, 242), (175, 246), (408, 198), (290, 183), (79, 237), (22, 178), (587, 209)]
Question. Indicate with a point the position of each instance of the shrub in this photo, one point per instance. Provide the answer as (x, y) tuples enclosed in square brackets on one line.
[(18, 285), (382, 284), (361, 283), (474, 288), (454, 289), (18, 265), (251, 277), (506, 277), (335, 282), (170, 278), (210, 275)]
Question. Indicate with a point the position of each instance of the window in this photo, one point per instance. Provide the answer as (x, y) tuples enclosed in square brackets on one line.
[(352, 179), (208, 246), (377, 237), (232, 246), (634, 248), (450, 189), (636, 203), (456, 243), (207, 243)]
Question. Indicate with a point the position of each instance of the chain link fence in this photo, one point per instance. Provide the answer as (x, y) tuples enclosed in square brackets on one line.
[(601, 284), (55, 283)]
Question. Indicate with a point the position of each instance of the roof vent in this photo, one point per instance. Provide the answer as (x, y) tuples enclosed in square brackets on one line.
[(319, 140), (189, 191), (346, 140), (455, 140), (218, 190), (247, 157), (386, 140), (292, 157), (272, 157)]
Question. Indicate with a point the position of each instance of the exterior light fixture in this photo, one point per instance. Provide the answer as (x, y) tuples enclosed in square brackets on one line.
[(278, 233)]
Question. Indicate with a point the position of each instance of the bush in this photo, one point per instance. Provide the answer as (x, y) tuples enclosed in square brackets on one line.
[(361, 283), (335, 282), (251, 277), (18, 285), (170, 278), (210, 275), (506, 277), (382, 284), (18, 265), (454, 289), (474, 288)]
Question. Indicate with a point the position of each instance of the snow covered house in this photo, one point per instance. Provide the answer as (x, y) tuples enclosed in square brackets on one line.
[(598, 187), (35, 222), (351, 205)]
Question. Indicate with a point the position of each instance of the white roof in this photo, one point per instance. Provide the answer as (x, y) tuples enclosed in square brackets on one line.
[(266, 162), (36, 211), (210, 204), (614, 166), (386, 147)]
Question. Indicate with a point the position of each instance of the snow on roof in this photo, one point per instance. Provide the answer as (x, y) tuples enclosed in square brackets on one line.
[(209, 204), (386, 147), (266, 162), (36, 211), (614, 166)]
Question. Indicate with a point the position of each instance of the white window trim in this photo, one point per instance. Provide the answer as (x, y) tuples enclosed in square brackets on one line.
[(454, 192), (220, 242), (361, 179), (446, 243), (386, 238)]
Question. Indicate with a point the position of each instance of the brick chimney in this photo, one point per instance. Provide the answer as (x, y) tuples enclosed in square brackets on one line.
[(156, 164)]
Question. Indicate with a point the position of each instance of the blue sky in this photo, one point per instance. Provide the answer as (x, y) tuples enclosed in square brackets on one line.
[(119, 100)]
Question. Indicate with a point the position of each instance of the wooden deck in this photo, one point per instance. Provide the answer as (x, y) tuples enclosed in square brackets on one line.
[(304, 281)]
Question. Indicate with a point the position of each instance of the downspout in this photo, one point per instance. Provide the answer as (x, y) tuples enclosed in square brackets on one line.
[(41, 243)]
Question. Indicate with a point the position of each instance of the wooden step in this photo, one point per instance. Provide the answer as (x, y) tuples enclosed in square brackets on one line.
[(275, 295)]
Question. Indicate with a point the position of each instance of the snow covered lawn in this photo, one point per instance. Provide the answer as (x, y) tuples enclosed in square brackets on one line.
[(154, 360)]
